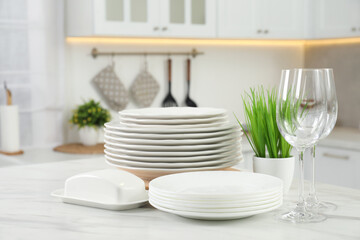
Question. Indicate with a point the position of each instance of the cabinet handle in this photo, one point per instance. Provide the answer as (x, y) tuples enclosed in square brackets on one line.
[(164, 29), (344, 157), (353, 29), (259, 31), (266, 31), (156, 28)]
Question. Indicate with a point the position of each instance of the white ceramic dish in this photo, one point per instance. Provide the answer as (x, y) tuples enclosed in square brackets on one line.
[(233, 141), (173, 153), (174, 121), (172, 164), (178, 126), (161, 130), (170, 136), (172, 113), (220, 209), (225, 203), (215, 216), (159, 159), (215, 184), (173, 170), (167, 142), (109, 206)]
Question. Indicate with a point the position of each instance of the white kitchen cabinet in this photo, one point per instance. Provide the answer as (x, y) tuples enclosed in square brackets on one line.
[(277, 19), (336, 166), (188, 18), (144, 18), (335, 18)]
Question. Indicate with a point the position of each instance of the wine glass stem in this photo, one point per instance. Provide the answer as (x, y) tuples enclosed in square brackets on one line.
[(301, 179), (312, 186)]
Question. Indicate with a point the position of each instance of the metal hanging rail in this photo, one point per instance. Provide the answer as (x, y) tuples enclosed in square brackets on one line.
[(95, 53)]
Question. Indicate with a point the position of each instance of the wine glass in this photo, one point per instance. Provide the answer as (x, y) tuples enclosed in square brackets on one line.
[(301, 118), (312, 202)]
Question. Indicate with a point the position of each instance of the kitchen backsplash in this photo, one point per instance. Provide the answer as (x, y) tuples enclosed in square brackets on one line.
[(345, 60)]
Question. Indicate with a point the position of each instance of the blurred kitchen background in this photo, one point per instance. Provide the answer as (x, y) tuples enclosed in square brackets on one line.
[(45, 56)]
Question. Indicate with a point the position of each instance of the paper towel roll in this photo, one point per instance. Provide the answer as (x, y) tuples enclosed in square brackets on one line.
[(9, 128)]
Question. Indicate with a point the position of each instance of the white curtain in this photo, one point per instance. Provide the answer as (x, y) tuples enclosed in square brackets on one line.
[(31, 62)]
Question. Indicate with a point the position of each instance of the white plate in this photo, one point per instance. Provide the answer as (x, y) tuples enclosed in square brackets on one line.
[(172, 113), (159, 159), (110, 206), (173, 170), (170, 136), (215, 184), (174, 121), (172, 153), (220, 209), (215, 216), (113, 158), (120, 127), (165, 142), (178, 126), (230, 142), (223, 203)]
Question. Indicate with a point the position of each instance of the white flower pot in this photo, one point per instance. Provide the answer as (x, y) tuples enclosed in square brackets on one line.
[(282, 168), (89, 136)]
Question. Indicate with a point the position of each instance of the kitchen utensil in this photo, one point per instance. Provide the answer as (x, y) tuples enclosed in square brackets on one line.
[(179, 126), (169, 100), (145, 88), (173, 113), (188, 101), (174, 121), (111, 88), (8, 95)]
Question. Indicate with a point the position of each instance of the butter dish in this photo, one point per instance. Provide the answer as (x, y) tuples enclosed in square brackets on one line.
[(110, 189)]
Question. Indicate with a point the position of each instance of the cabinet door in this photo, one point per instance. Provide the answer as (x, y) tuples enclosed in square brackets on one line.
[(337, 166), (281, 19), (238, 18), (188, 18), (126, 17), (336, 18)]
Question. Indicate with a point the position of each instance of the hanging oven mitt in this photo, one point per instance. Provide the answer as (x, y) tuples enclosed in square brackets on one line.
[(144, 88), (108, 84)]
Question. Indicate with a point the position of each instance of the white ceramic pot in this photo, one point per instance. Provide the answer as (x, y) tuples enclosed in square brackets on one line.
[(89, 136), (282, 168)]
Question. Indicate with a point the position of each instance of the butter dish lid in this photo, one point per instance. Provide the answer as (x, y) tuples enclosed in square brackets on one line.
[(109, 188)]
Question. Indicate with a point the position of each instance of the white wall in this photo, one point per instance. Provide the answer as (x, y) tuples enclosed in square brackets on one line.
[(219, 77)]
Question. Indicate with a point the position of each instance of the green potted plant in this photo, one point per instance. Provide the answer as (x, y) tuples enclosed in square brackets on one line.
[(272, 152), (89, 117)]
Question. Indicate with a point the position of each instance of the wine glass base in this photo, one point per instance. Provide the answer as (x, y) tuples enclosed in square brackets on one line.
[(301, 217), (321, 207)]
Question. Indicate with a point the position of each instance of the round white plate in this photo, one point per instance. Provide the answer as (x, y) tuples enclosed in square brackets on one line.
[(178, 126), (214, 216), (235, 208), (174, 121), (213, 157), (109, 206), (172, 153), (170, 136), (225, 203), (120, 127), (114, 158), (215, 184), (170, 148), (172, 113), (165, 142), (173, 170)]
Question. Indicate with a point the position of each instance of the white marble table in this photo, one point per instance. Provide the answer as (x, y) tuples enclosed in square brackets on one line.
[(27, 211)]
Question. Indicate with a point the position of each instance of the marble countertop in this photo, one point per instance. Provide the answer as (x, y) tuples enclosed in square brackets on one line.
[(29, 212)]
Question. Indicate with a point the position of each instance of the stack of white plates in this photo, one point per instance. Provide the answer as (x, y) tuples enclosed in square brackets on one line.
[(153, 142), (216, 195)]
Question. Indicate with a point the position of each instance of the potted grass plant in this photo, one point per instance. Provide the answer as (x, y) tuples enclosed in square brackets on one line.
[(89, 117), (272, 152)]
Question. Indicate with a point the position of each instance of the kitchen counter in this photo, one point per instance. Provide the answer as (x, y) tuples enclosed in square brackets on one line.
[(29, 212), (343, 137)]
